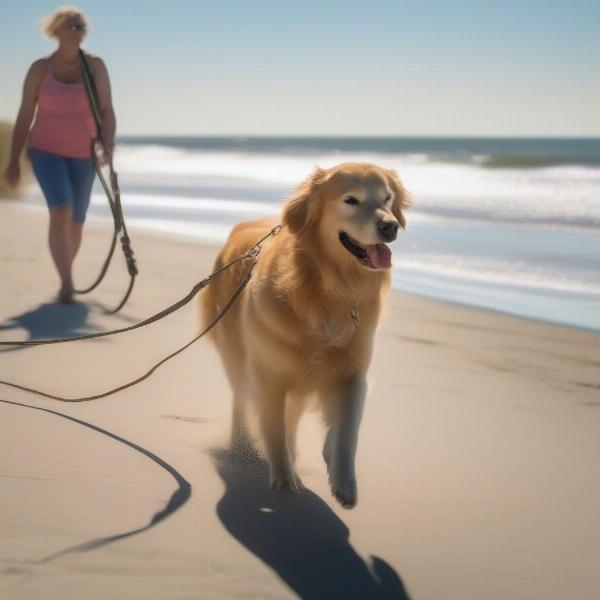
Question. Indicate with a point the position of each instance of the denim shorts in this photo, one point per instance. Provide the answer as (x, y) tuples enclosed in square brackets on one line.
[(64, 180)]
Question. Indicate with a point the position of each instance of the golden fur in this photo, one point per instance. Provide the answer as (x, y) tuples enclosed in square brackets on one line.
[(305, 323)]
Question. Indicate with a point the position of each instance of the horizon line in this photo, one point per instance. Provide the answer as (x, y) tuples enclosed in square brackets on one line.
[(362, 135)]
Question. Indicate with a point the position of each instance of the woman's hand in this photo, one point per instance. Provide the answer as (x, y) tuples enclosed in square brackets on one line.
[(105, 156), (12, 174)]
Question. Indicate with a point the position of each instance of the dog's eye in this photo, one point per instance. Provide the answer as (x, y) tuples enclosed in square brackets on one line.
[(350, 200), (387, 198)]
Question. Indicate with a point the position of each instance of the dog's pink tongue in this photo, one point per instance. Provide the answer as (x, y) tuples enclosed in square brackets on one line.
[(379, 255)]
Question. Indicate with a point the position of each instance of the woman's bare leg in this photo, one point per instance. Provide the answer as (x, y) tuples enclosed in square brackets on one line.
[(76, 230), (61, 248)]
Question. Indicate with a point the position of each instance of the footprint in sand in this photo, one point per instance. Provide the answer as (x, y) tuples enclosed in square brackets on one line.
[(184, 418)]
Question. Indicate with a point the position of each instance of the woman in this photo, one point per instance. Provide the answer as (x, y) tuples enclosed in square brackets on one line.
[(59, 143)]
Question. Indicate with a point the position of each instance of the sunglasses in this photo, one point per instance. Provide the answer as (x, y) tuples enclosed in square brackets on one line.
[(78, 28)]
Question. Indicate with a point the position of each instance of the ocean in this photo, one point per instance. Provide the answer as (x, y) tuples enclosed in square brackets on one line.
[(511, 225)]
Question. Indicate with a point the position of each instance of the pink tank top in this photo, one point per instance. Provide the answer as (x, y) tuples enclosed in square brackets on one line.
[(64, 123)]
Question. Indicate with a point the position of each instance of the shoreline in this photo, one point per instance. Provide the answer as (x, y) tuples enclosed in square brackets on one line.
[(195, 240)]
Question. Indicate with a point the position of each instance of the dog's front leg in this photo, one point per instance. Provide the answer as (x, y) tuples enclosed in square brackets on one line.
[(344, 408), (270, 399)]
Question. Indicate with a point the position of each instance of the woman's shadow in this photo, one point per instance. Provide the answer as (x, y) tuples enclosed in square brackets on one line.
[(47, 321), (298, 536), (54, 320)]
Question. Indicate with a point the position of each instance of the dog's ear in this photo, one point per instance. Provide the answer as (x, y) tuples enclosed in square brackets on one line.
[(401, 197), (305, 204)]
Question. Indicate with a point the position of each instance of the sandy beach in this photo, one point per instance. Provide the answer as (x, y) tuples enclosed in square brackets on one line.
[(477, 461)]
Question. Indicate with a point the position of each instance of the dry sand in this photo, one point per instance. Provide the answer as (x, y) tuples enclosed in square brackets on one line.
[(477, 463)]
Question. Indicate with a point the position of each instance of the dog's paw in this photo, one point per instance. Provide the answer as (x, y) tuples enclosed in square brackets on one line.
[(344, 490), (286, 482)]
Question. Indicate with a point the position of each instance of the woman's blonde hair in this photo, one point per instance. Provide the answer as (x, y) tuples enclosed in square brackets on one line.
[(52, 22)]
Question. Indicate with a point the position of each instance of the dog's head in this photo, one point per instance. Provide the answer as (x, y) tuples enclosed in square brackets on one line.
[(352, 211)]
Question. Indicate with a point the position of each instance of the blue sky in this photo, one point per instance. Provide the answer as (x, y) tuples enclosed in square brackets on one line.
[(332, 67)]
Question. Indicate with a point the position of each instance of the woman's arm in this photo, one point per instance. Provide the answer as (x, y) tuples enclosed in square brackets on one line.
[(31, 86), (107, 114)]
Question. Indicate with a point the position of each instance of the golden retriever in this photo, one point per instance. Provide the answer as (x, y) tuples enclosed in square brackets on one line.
[(304, 326)]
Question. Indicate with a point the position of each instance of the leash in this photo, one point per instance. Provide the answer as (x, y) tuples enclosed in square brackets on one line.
[(253, 254), (113, 194)]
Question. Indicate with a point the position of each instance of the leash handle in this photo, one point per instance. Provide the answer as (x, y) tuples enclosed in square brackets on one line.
[(129, 255)]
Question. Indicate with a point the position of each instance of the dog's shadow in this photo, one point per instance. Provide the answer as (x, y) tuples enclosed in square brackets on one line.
[(297, 535)]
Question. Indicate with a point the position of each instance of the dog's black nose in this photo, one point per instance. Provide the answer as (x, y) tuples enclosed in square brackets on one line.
[(388, 229)]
